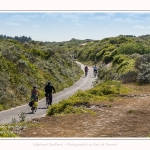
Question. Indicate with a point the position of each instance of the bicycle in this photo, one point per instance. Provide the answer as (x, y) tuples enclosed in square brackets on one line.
[(48, 100), (95, 73), (33, 104), (34, 107)]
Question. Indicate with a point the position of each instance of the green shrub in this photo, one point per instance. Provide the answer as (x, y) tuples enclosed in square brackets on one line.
[(78, 102), (107, 59), (119, 59), (143, 66), (130, 76), (5, 131), (131, 48), (106, 88)]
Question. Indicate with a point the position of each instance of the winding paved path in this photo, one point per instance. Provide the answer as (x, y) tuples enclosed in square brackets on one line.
[(83, 83)]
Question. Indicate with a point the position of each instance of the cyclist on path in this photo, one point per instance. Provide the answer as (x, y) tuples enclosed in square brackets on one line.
[(48, 90), (86, 70)]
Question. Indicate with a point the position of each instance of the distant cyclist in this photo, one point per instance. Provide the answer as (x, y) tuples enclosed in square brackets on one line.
[(95, 70), (86, 70), (48, 90)]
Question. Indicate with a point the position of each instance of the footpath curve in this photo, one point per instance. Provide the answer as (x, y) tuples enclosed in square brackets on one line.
[(83, 83)]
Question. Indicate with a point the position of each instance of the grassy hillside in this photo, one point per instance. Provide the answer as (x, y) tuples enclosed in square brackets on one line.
[(123, 58), (120, 59), (23, 65)]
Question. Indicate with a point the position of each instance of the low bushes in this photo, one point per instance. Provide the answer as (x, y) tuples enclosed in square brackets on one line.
[(78, 102)]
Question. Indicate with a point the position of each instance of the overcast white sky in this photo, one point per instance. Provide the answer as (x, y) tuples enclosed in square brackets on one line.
[(63, 26)]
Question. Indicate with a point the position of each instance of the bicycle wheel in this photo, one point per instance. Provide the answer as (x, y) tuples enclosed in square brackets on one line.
[(50, 100), (47, 103), (33, 109)]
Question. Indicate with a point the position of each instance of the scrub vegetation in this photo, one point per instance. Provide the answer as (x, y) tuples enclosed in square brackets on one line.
[(121, 61), (26, 64), (125, 56)]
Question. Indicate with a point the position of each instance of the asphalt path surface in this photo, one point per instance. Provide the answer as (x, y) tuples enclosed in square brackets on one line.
[(83, 83)]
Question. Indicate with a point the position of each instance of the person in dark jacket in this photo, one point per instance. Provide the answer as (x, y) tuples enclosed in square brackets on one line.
[(86, 70), (48, 90)]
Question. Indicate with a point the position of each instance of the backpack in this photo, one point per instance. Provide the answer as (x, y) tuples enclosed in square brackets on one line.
[(31, 103)]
